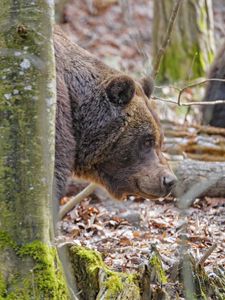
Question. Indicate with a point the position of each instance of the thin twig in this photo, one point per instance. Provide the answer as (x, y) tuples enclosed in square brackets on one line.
[(189, 103), (77, 199), (167, 38), (182, 90), (206, 255), (164, 100), (202, 103), (194, 85)]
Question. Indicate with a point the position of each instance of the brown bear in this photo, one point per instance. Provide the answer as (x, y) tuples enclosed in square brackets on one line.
[(215, 115), (106, 131)]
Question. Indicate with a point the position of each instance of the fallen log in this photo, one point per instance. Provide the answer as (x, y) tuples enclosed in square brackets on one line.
[(200, 143), (197, 156), (191, 172)]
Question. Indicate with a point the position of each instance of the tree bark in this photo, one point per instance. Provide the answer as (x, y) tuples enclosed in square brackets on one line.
[(191, 45), (215, 90), (29, 265)]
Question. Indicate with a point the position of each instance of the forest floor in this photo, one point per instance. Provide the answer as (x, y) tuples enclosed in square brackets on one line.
[(124, 231)]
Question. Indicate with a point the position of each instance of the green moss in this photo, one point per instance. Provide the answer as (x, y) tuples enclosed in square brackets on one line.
[(202, 19), (206, 285), (2, 287), (156, 266), (6, 241), (184, 62), (114, 285), (118, 282), (87, 265), (47, 270), (44, 281), (92, 258)]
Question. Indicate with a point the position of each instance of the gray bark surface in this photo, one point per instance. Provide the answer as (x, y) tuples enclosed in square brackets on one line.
[(29, 266)]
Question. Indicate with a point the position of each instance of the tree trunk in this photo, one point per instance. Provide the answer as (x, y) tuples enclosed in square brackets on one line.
[(191, 44), (215, 90), (29, 265)]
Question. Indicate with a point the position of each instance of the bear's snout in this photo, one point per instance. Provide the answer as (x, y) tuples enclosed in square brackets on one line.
[(168, 182)]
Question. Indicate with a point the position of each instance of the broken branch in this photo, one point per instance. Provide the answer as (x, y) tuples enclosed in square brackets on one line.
[(206, 255), (77, 199)]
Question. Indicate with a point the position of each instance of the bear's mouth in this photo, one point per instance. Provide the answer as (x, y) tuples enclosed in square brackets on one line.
[(149, 195)]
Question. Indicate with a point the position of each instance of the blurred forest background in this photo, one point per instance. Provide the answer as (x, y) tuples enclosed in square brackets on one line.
[(110, 29)]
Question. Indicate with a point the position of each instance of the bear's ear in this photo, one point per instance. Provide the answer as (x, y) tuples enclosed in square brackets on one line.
[(120, 90), (147, 84)]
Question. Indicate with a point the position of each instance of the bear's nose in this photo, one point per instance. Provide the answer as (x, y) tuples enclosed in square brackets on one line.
[(169, 182)]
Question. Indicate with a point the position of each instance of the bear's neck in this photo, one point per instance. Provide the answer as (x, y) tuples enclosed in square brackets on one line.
[(82, 72)]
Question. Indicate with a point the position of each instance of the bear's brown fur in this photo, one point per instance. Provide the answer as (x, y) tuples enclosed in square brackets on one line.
[(106, 131), (215, 115)]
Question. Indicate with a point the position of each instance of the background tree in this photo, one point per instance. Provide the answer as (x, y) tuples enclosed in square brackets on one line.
[(29, 266), (191, 45), (215, 115)]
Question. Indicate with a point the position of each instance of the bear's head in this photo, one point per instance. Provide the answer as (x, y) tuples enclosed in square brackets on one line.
[(120, 140)]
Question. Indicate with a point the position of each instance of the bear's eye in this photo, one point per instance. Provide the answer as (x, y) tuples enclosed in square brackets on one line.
[(147, 142)]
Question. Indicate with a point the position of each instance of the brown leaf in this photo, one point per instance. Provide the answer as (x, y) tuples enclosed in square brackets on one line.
[(124, 241), (215, 202), (64, 200), (158, 224), (137, 234)]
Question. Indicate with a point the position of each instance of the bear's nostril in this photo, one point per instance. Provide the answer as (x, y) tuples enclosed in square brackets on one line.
[(169, 181)]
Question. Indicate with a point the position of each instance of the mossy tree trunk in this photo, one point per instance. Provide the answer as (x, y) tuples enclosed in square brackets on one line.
[(29, 266), (191, 46)]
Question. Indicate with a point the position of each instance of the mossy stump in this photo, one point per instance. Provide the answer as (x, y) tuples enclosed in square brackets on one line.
[(96, 281)]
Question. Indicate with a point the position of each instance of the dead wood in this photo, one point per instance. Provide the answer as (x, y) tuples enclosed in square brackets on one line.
[(191, 172), (186, 279), (197, 155)]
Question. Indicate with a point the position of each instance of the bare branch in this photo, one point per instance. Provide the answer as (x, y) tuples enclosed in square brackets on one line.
[(194, 85), (189, 103), (182, 90), (77, 199), (206, 255), (167, 38), (202, 103), (164, 100)]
